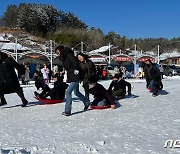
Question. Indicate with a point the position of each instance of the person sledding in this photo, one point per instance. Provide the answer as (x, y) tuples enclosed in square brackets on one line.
[(101, 95), (153, 78), (55, 93), (118, 87)]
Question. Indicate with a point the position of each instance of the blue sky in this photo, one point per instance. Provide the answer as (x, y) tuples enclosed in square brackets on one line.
[(130, 18)]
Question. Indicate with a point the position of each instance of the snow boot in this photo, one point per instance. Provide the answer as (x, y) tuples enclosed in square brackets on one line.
[(24, 102), (3, 102), (66, 114)]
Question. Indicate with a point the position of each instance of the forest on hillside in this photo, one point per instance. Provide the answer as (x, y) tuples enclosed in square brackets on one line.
[(66, 28)]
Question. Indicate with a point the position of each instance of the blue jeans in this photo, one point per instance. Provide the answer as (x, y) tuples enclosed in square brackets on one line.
[(100, 102), (74, 86), (154, 91)]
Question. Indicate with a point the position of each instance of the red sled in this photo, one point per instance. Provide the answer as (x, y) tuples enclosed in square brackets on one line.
[(150, 89), (48, 100), (100, 107)]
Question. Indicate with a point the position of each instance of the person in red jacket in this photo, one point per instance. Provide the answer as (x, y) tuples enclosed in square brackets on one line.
[(101, 95)]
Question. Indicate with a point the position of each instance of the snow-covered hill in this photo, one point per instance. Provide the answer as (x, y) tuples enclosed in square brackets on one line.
[(23, 42)]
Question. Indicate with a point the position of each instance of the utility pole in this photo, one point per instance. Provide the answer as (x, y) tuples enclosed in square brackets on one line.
[(158, 55), (81, 46), (135, 58), (109, 53), (51, 54), (16, 49)]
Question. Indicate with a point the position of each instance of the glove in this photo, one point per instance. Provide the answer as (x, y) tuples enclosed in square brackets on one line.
[(76, 72), (129, 93)]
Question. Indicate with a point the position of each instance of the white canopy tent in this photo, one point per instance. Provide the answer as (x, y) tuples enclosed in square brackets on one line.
[(101, 49)]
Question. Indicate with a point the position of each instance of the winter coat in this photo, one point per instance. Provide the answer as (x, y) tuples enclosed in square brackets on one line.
[(8, 75), (45, 73), (40, 83), (71, 65), (119, 84), (88, 70), (152, 73), (101, 93), (58, 92)]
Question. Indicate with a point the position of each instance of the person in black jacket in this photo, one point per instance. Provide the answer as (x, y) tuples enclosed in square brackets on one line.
[(88, 70), (39, 81), (9, 82), (55, 93), (101, 95), (118, 86), (153, 77), (74, 76)]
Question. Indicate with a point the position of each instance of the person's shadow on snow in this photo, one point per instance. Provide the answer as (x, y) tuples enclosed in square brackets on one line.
[(29, 104), (163, 92)]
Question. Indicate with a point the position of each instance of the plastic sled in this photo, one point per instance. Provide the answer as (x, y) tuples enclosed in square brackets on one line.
[(48, 100), (100, 107), (150, 89)]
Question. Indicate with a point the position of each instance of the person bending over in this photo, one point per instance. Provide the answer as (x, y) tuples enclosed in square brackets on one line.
[(9, 82), (153, 77)]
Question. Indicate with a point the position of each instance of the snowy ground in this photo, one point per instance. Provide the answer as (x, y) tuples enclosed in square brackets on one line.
[(140, 125)]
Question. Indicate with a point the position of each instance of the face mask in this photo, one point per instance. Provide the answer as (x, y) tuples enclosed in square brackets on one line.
[(91, 86)]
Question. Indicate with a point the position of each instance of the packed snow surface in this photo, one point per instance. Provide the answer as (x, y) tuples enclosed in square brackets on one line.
[(139, 125)]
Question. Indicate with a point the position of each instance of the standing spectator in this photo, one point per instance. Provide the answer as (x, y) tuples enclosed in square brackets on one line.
[(140, 70), (24, 70), (98, 71), (45, 73), (161, 71), (9, 82), (88, 70), (38, 67), (74, 76), (104, 73), (27, 71), (123, 70), (55, 70)]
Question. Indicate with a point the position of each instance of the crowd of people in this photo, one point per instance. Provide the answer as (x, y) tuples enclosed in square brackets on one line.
[(79, 69)]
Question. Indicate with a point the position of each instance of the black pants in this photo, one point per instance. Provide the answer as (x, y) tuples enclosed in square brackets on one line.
[(6, 89), (86, 89)]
